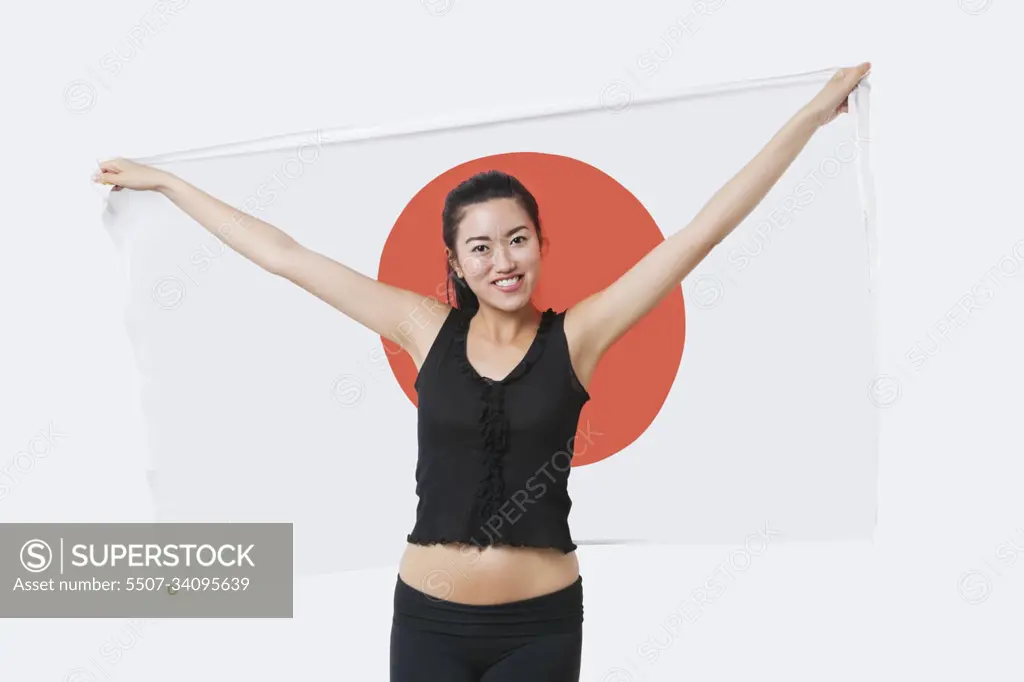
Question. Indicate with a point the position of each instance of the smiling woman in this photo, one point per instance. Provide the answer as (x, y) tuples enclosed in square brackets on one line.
[(500, 394)]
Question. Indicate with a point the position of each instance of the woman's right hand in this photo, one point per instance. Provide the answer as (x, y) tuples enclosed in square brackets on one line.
[(834, 97), (123, 173)]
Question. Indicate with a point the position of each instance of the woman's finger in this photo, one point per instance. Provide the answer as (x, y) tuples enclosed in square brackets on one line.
[(852, 75), (857, 73)]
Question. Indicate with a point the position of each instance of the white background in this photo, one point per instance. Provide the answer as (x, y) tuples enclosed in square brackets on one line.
[(945, 156)]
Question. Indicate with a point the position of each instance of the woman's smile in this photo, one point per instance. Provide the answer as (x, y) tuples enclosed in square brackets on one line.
[(509, 284)]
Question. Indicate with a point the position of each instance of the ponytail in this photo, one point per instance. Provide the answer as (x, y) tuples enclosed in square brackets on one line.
[(465, 299)]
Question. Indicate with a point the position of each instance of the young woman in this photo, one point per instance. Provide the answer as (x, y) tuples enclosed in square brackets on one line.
[(489, 586)]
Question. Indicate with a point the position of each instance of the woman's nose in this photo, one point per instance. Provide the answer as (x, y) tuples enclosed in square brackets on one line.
[(502, 260)]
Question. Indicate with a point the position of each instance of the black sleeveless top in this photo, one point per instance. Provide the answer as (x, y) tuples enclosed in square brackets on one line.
[(494, 456)]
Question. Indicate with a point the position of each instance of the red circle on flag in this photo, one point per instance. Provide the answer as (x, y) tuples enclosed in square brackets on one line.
[(596, 230)]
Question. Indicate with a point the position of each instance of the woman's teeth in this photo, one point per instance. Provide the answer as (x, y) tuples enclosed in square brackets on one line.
[(508, 282)]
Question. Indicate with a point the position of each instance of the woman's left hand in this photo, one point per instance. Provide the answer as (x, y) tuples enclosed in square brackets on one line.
[(833, 98)]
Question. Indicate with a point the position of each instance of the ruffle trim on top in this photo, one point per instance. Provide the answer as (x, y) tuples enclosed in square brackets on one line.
[(442, 540), (494, 426)]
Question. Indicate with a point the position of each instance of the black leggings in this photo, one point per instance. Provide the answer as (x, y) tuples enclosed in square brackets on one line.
[(538, 639)]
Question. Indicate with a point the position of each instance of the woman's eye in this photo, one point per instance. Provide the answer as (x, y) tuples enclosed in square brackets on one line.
[(519, 237), (477, 248)]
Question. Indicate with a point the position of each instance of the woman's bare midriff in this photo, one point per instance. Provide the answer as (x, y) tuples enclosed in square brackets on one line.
[(469, 574)]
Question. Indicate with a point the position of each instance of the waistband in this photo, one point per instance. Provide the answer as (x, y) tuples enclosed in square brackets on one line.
[(555, 612)]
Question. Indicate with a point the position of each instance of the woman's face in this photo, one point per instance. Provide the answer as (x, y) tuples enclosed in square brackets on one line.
[(497, 252)]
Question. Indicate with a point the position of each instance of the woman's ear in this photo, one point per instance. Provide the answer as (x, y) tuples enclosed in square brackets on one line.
[(452, 262), (545, 245)]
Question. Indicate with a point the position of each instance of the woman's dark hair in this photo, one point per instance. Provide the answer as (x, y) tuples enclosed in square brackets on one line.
[(492, 184)]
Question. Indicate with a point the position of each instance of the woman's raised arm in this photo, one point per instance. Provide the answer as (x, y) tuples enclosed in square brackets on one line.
[(409, 319), (595, 323)]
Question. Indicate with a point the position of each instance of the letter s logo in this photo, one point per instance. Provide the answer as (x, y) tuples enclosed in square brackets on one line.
[(36, 556)]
